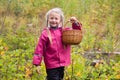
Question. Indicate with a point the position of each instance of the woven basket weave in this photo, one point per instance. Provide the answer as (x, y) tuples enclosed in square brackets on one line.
[(72, 37)]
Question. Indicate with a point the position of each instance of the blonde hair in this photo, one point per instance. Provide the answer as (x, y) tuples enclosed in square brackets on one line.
[(58, 11)]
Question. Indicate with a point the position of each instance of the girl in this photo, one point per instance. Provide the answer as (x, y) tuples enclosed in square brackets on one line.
[(50, 47)]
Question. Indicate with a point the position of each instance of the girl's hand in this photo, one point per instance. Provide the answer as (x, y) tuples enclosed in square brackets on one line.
[(73, 19), (38, 69)]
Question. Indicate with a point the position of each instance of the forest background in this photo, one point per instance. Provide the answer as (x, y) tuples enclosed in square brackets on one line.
[(21, 23)]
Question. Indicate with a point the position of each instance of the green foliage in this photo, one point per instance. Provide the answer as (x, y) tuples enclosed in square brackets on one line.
[(20, 40), (21, 22)]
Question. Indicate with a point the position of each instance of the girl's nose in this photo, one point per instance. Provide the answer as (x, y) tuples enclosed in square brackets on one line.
[(53, 19)]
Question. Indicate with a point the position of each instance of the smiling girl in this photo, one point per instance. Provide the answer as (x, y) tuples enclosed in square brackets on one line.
[(50, 46)]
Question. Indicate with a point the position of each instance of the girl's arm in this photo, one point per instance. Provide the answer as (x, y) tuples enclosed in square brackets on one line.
[(40, 48)]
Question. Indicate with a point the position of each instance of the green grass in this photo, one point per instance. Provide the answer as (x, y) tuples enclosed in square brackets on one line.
[(21, 22)]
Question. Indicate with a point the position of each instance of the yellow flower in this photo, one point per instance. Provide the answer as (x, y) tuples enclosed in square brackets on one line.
[(118, 76), (66, 78), (2, 52), (78, 74), (96, 65), (28, 72)]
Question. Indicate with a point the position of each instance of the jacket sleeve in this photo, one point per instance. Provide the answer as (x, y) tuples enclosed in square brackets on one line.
[(77, 25), (39, 50)]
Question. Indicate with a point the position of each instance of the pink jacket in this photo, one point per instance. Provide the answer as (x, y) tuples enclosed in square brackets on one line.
[(55, 54)]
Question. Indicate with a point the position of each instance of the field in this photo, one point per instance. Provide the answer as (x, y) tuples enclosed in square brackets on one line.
[(21, 23)]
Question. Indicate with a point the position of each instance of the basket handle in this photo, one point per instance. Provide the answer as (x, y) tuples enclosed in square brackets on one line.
[(66, 23)]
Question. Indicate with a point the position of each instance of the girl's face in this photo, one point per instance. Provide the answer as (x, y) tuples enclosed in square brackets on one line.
[(54, 19)]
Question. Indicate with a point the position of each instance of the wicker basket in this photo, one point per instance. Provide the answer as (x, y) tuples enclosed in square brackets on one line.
[(72, 37)]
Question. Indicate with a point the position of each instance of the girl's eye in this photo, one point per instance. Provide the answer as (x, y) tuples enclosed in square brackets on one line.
[(51, 18), (56, 18)]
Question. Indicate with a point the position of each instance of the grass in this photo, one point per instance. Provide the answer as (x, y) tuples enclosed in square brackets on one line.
[(21, 22)]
